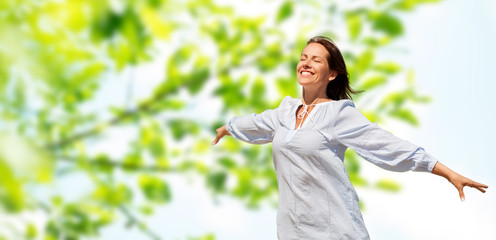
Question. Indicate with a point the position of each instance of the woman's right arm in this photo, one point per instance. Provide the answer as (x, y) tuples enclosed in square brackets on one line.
[(252, 128), (221, 132), (255, 128)]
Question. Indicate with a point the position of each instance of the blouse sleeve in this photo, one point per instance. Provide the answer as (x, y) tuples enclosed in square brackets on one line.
[(255, 128), (376, 145)]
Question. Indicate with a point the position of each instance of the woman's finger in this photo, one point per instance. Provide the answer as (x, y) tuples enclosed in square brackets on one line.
[(460, 192), (476, 184), (217, 138), (479, 186), (481, 189)]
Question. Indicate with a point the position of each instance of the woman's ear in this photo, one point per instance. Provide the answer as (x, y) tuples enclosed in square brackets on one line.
[(333, 75)]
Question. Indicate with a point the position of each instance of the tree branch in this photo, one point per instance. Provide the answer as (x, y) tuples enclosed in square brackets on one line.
[(134, 167), (133, 220), (142, 108)]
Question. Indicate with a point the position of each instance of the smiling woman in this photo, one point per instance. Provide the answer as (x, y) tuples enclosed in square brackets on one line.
[(328, 59), (310, 136)]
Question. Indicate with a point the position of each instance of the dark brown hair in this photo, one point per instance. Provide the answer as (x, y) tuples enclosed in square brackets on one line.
[(339, 88)]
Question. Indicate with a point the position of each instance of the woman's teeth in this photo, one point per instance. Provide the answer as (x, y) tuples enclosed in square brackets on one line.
[(306, 73)]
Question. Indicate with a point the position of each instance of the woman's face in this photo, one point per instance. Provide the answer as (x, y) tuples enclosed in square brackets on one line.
[(313, 69)]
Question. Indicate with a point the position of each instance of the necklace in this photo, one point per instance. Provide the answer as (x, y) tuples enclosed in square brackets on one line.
[(305, 111)]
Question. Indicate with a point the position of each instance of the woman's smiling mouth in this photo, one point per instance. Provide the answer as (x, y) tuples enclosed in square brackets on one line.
[(306, 73)]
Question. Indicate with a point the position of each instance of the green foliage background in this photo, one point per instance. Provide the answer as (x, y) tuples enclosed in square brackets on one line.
[(58, 57)]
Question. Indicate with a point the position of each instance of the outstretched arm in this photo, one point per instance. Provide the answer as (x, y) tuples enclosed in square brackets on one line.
[(457, 180)]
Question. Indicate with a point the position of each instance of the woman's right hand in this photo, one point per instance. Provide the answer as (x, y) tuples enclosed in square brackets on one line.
[(221, 132)]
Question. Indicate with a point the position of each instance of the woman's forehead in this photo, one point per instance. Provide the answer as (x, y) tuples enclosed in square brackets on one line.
[(315, 49)]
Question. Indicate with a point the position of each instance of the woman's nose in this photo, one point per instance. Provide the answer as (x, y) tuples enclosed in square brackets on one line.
[(306, 64)]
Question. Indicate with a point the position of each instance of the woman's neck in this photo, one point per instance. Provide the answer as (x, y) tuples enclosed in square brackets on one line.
[(313, 97)]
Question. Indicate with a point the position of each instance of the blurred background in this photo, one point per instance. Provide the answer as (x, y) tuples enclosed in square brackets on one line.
[(108, 108)]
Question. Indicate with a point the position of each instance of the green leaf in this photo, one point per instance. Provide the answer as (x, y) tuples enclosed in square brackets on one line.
[(405, 115), (152, 19), (362, 205), (354, 23), (373, 81), (287, 86), (388, 185), (357, 180), (351, 162), (388, 67), (227, 162), (371, 116), (244, 179), (57, 201), (182, 55), (217, 181), (377, 42), (364, 61), (106, 26), (31, 231), (209, 236), (103, 163), (12, 196), (132, 161), (200, 74), (157, 147), (155, 189), (285, 11), (257, 95), (121, 53), (113, 195), (76, 220), (90, 71), (270, 58), (409, 5), (232, 145), (201, 146), (396, 99), (146, 210), (218, 31), (181, 127), (388, 24)]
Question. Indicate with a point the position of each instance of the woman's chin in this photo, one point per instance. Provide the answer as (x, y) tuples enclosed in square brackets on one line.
[(305, 82)]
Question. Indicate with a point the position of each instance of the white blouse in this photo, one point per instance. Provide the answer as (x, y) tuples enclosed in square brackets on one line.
[(316, 198)]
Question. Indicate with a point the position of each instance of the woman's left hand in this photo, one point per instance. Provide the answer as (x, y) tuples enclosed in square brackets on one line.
[(457, 180), (460, 181)]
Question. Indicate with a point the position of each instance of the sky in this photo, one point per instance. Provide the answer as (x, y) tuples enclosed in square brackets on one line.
[(451, 49)]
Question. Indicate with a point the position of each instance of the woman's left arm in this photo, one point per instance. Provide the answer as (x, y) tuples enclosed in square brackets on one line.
[(457, 180), (374, 144)]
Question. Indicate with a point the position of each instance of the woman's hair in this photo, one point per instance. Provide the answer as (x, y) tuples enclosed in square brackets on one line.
[(339, 88)]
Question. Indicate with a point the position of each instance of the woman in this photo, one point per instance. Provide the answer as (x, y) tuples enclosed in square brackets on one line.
[(310, 136)]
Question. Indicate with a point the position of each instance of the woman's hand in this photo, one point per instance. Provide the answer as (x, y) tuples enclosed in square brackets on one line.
[(457, 180), (460, 181), (221, 132)]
